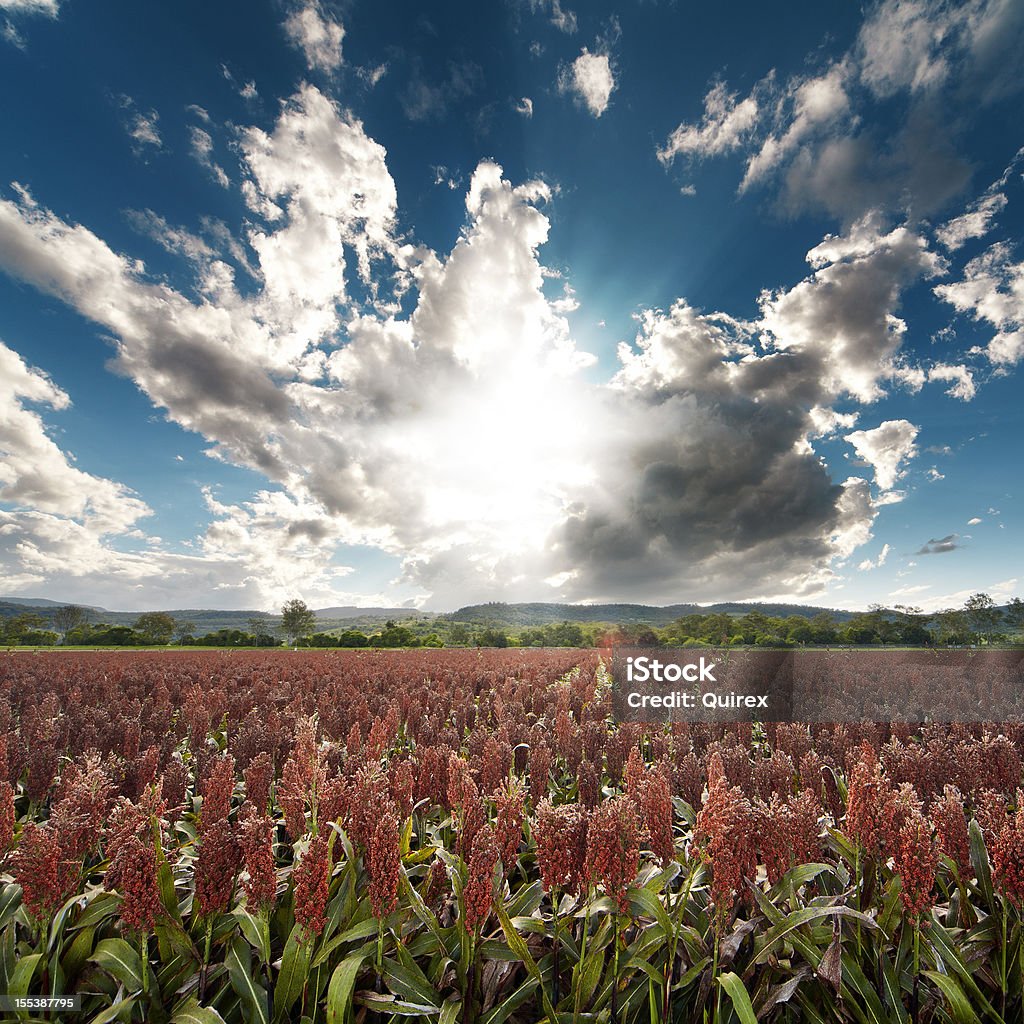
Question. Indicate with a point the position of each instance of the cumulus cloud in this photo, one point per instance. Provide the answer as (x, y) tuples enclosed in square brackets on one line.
[(35, 473), (591, 79), (404, 425), (886, 448), (315, 32), (960, 378), (992, 290), (807, 136), (816, 103), (868, 564), (524, 106), (843, 316)]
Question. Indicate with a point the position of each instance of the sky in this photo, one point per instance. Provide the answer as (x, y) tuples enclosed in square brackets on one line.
[(426, 305)]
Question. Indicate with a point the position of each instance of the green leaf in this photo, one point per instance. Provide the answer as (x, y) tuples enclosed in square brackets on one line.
[(23, 974), (958, 1004), (406, 984), (294, 969), (192, 1013), (738, 994), (388, 1004), (114, 1011), (10, 900), (256, 931), (982, 870), (801, 917), (252, 995), (363, 930), (122, 961), (450, 1011), (515, 941), (78, 952), (341, 987)]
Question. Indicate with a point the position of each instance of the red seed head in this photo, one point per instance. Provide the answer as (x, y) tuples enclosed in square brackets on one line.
[(478, 892), (915, 861), (560, 833), (312, 886), (256, 840), (216, 867), (383, 862), (613, 848)]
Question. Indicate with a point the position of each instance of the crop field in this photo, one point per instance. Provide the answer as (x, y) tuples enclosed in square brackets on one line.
[(467, 835)]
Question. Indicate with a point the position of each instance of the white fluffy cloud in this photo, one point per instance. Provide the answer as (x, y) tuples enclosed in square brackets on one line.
[(314, 31), (35, 473), (960, 379), (886, 448), (844, 315), (808, 137), (992, 290), (464, 437), (724, 127), (591, 78), (975, 223)]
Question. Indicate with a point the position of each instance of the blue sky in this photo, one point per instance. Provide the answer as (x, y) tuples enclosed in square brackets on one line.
[(378, 303)]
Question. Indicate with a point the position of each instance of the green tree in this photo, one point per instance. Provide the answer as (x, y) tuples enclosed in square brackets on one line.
[(982, 615), (68, 618), (297, 619), (155, 627), (184, 631), (259, 625), (1014, 614), (21, 625)]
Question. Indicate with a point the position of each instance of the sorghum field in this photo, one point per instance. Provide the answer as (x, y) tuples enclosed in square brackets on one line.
[(462, 835)]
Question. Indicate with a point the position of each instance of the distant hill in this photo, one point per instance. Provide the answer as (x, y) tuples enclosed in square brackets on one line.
[(498, 613), (209, 620)]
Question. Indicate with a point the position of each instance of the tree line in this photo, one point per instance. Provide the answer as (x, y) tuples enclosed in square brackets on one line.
[(978, 621)]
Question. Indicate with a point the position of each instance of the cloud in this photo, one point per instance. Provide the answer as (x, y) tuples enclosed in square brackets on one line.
[(811, 137), (723, 128), (315, 32), (142, 127), (379, 388), (35, 473), (960, 377), (917, 46), (202, 148), (51, 8), (591, 79), (816, 103), (973, 521), (940, 546), (885, 449), (524, 106), (842, 317), (867, 565), (562, 18), (975, 223), (424, 100), (992, 290)]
